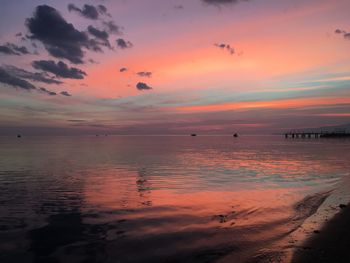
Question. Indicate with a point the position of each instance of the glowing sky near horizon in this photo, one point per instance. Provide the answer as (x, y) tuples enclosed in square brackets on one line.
[(174, 67)]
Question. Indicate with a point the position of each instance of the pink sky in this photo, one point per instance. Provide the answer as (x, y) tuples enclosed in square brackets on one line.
[(288, 65)]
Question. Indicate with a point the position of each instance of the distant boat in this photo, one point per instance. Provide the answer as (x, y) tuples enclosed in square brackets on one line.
[(193, 134), (235, 135), (19, 136)]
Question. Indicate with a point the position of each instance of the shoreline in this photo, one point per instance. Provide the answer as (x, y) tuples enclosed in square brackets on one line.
[(329, 244)]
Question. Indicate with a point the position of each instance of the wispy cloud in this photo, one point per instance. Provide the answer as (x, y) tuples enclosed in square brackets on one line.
[(59, 69), (12, 49), (227, 47), (123, 44), (146, 74), (222, 2), (89, 11), (35, 76), (65, 93), (13, 81)]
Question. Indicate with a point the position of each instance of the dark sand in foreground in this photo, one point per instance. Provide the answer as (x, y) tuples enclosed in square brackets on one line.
[(330, 245)]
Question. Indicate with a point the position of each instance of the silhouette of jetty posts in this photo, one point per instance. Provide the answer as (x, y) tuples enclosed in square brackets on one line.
[(296, 135), (316, 135)]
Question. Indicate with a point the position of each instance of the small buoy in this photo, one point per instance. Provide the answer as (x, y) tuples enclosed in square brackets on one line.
[(19, 136), (235, 135), (193, 134)]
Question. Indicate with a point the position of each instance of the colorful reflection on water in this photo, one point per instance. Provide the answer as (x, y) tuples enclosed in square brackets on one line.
[(159, 198)]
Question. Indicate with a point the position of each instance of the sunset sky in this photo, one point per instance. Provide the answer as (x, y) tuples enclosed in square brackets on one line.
[(173, 66)]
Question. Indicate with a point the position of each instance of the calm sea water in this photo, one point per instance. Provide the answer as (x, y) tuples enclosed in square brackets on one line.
[(159, 198)]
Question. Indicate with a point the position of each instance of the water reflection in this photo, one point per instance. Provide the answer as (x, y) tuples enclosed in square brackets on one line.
[(144, 187), (170, 199)]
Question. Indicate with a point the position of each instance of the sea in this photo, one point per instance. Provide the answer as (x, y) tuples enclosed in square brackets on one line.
[(166, 198)]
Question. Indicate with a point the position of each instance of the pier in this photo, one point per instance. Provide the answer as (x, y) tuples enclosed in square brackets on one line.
[(303, 135), (315, 135)]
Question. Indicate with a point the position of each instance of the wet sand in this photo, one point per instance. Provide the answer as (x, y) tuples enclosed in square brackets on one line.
[(331, 244)]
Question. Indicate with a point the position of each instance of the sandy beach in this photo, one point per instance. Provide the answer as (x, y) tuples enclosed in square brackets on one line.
[(329, 244)]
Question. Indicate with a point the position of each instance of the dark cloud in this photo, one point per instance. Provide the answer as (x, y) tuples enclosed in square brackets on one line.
[(338, 31), (123, 69), (101, 34), (345, 34), (123, 44), (76, 120), (102, 9), (227, 47), (48, 92), (13, 81), (95, 45), (221, 2), (59, 37), (73, 7), (143, 86), (12, 49), (35, 76), (113, 28), (65, 93), (146, 74), (89, 11), (59, 69)]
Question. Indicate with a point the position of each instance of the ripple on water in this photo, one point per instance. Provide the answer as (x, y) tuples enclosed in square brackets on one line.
[(145, 199)]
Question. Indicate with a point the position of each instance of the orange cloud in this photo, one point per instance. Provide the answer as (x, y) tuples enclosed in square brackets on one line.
[(273, 104)]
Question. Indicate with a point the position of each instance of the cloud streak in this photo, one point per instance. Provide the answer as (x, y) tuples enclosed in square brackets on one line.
[(89, 11), (59, 69), (112, 28), (48, 92), (292, 103), (65, 93), (101, 34), (146, 74), (12, 49), (35, 76), (13, 81), (221, 2)]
